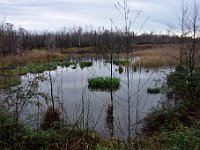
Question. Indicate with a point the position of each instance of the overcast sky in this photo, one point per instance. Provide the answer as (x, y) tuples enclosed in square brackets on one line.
[(56, 14)]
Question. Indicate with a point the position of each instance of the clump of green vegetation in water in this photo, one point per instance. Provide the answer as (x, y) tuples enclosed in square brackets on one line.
[(4, 84), (119, 62), (155, 90), (85, 64), (38, 68), (103, 83)]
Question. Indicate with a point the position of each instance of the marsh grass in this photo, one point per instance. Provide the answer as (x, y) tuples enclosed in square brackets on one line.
[(77, 50), (39, 68), (30, 57), (84, 64), (119, 62), (157, 57), (103, 83), (36, 68)]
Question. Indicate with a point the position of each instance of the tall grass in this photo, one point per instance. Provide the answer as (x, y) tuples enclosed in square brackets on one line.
[(29, 57), (157, 57)]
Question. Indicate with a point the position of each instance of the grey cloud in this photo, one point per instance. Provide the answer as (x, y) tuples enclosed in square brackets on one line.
[(54, 14)]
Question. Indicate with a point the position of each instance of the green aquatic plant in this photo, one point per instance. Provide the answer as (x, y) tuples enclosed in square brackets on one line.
[(104, 83), (155, 90), (38, 68), (119, 62), (85, 64)]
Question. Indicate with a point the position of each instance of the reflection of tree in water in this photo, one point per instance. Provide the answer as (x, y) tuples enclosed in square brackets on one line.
[(109, 116), (120, 70)]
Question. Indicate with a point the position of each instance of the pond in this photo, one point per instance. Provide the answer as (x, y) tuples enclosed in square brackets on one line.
[(90, 108)]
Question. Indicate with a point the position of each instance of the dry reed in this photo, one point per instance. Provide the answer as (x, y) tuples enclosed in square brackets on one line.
[(157, 57), (28, 57)]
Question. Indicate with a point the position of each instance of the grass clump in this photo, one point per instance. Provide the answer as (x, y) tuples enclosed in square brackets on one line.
[(38, 68), (85, 64), (155, 90), (119, 62), (104, 83)]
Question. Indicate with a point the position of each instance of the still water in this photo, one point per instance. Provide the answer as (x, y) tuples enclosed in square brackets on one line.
[(70, 89)]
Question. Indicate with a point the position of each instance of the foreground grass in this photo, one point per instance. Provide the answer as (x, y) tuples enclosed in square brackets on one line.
[(183, 139)]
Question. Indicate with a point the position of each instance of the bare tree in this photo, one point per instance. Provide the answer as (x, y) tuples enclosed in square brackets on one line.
[(128, 35)]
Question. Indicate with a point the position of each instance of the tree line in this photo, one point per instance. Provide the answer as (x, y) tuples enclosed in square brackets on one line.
[(11, 38)]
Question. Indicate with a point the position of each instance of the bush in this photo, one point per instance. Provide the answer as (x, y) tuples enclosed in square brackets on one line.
[(9, 130)]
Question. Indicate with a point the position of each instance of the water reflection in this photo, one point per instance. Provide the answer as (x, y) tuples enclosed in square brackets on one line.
[(71, 87)]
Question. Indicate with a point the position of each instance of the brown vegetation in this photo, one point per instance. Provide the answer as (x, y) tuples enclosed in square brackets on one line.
[(150, 56), (77, 50), (157, 57), (50, 117), (28, 57)]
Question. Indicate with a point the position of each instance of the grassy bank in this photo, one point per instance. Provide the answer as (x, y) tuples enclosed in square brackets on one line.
[(36, 67)]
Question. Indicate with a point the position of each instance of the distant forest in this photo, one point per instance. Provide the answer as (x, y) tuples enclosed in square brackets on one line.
[(12, 39)]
